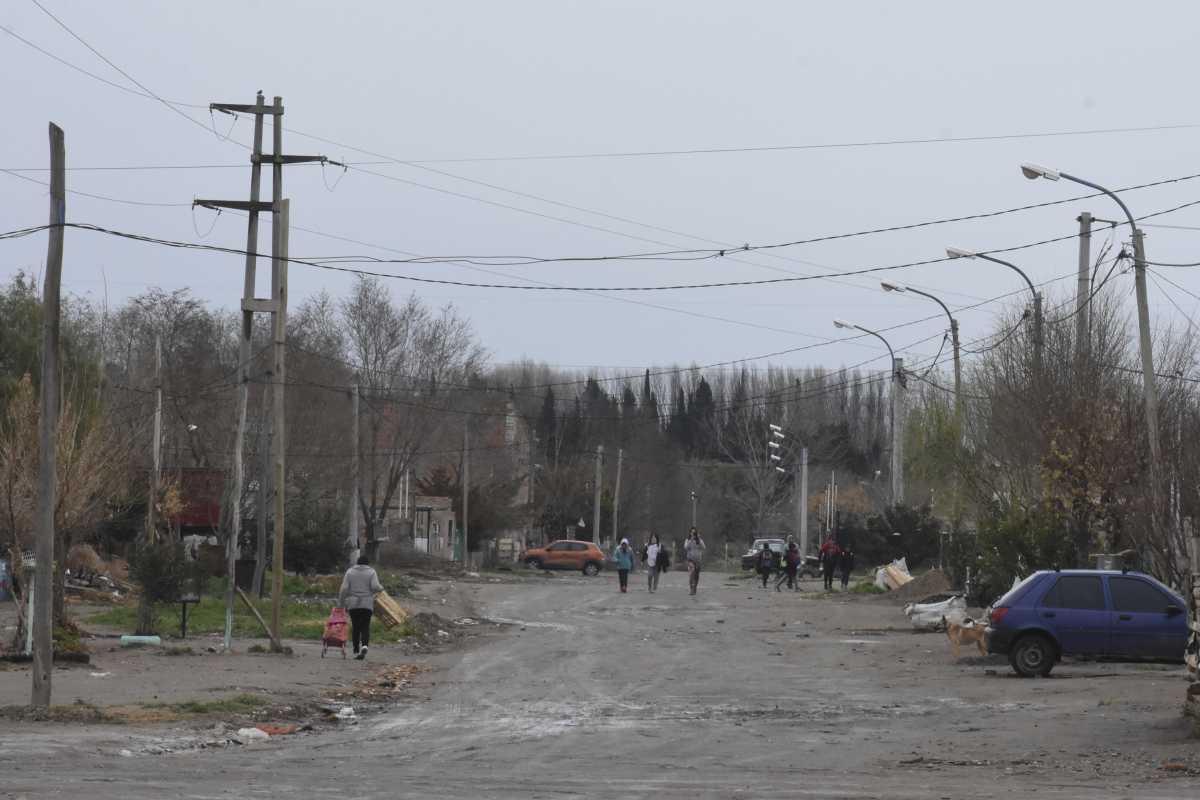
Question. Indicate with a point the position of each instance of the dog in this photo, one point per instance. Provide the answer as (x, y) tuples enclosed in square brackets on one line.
[(964, 632)]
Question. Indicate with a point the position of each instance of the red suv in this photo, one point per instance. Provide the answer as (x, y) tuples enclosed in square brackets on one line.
[(566, 554)]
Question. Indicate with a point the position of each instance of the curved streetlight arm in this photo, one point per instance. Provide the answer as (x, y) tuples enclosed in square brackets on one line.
[(1013, 267), (891, 352), (1099, 188), (934, 299)]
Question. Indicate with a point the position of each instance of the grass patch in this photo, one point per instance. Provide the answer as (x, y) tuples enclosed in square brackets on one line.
[(866, 587), (237, 704), (79, 712), (177, 650), (300, 619)]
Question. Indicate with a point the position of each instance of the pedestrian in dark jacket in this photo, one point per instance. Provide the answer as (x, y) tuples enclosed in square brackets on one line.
[(357, 596), (846, 565), (766, 563), (829, 559), (791, 565)]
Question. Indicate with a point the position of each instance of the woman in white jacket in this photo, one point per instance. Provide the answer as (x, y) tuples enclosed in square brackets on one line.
[(357, 596), (653, 553)]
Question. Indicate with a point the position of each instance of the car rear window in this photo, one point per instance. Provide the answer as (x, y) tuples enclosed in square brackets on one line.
[(1076, 592), (1011, 595), (1131, 594)]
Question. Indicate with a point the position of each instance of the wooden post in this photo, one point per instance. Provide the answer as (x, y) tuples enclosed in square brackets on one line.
[(596, 502), (617, 497), (352, 521), (466, 487), (278, 440), (264, 484), (248, 283), (155, 447), (43, 622)]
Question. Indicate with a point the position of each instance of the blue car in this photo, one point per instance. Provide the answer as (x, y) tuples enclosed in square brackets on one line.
[(1086, 612)]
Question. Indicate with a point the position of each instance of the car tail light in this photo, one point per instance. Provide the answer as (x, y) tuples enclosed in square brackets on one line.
[(998, 614)]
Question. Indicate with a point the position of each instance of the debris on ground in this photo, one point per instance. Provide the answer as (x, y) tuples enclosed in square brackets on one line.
[(893, 576), (390, 612), (387, 683), (248, 735), (273, 729), (933, 616), (931, 583)]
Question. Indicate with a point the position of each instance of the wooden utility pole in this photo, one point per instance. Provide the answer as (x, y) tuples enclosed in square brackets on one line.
[(466, 485), (898, 387), (43, 589), (151, 536), (264, 491), (279, 270), (352, 521), (1083, 289), (802, 501), (596, 508), (617, 498), (251, 305)]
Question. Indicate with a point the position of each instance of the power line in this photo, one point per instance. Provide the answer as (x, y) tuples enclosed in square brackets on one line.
[(819, 146), (127, 76)]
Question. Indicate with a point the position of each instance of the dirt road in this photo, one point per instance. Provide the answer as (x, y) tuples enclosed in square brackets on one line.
[(734, 693)]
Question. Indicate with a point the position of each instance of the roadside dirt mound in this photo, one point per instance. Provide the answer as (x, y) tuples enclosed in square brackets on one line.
[(932, 582)]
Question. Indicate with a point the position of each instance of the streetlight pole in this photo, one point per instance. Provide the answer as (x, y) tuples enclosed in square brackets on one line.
[(888, 286), (896, 419), (1149, 384), (957, 252)]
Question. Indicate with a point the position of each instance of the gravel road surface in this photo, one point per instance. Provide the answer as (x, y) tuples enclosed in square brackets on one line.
[(737, 692)]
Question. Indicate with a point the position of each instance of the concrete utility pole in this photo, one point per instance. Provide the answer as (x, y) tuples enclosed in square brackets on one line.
[(466, 486), (596, 504), (352, 522), (1083, 289), (898, 389), (155, 446), (802, 501), (43, 589), (279, 291), (617, 497)]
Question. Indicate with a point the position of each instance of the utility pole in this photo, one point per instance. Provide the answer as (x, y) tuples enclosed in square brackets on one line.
[(617, 496), (802, 501), (352, 522), (279, 292), (264, 491), (693, 509), (43, 589), (466, 485), (1083, 288), (251, 305), (155, 446), (898, 387), (596, 504)]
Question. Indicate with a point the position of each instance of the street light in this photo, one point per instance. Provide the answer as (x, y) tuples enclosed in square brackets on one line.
[(899, 288), (897, 388), (1149, 386), (958, 252)]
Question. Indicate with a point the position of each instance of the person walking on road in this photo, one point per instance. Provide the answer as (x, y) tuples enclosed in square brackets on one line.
[(765, 563), (829, 559), (654, 556), (845, 565), (693, 551), (791, 565), (624, 558), (357, 596)]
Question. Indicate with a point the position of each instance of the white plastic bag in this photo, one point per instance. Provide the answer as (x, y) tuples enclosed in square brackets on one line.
[(930, 616)]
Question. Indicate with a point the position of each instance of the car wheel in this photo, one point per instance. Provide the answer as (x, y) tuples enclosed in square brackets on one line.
[(1032, 656), (591, 568), (534, 563)]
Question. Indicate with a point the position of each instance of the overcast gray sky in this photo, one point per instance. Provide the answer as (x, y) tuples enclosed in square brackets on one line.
[(441, 80)]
